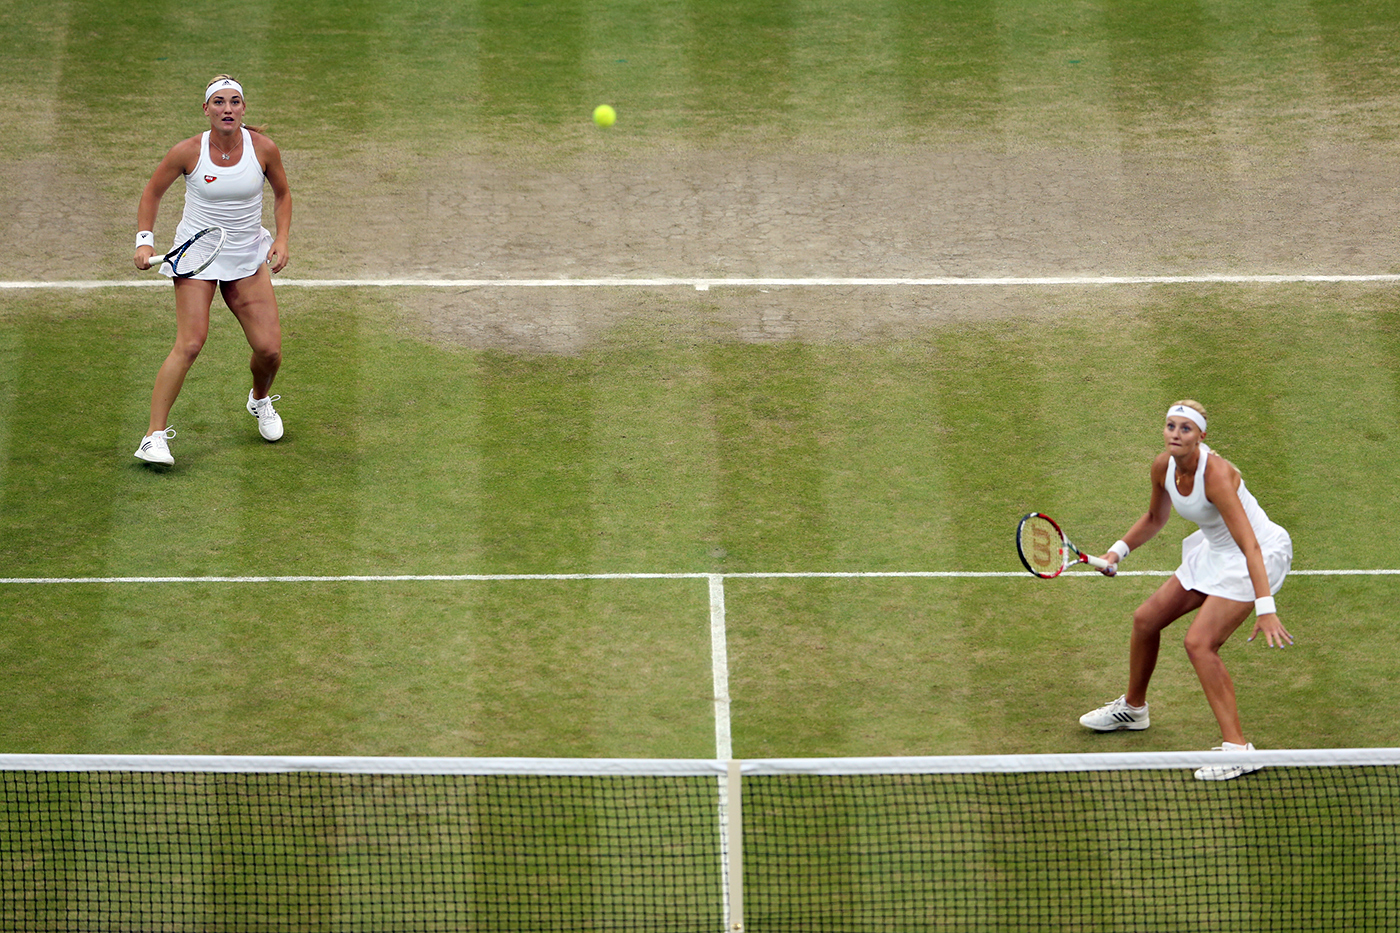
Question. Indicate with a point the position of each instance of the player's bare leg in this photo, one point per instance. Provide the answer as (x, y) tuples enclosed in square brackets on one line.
[(1209, 631), (255, 306), (1162, 608), (192, 300), (253, 303)]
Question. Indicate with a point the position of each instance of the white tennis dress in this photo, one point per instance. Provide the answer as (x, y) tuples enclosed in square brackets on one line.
[(228, 196), (1211, 561)]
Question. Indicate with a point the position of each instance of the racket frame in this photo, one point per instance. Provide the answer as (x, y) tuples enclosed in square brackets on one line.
[(175, 255), (1069, 553)]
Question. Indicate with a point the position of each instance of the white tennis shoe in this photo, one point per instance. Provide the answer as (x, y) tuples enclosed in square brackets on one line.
[(269, 422), (154, 448), (1227, 772), (1116, 715)]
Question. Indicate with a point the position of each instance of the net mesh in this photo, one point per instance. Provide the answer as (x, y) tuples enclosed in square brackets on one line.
[(906, 846), (310, 852), (1301, 849)]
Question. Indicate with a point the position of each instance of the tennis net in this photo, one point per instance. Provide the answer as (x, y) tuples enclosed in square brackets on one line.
[(1042, 842)]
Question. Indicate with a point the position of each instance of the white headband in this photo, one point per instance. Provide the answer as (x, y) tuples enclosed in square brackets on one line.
[(222, 84), (1184, 412)]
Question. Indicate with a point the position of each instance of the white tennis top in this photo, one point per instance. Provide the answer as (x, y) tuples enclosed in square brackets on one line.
[(228, 196), (1211, 561)]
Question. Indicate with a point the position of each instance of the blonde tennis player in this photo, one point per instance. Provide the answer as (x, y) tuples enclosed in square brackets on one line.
[(224, 169), (1232, 565)]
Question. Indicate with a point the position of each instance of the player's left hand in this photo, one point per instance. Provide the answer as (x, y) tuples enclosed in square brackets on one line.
[(1275, 635)]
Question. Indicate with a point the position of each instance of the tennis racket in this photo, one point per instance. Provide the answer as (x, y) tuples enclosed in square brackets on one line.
[(1046, 550), (194, 255)]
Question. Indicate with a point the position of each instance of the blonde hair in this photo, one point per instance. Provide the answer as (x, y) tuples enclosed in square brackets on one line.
[(1192, 404), (212, 81)]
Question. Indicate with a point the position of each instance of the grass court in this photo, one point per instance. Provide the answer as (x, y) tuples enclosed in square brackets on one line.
[(659, 429)]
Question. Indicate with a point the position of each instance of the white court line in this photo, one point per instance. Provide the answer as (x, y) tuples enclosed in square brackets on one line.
[(705, 284), (719, 662), (756, 575)]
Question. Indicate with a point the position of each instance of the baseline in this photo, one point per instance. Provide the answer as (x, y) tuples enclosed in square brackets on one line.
[(705, 284), (683, 575)]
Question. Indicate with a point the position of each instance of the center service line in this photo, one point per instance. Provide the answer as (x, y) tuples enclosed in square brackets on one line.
[(719, 662)]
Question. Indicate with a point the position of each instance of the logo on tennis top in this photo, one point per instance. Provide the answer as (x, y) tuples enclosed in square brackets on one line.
[(210, 179)]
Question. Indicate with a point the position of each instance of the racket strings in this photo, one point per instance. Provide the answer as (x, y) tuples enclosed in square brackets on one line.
[(1041, 545), (197, 254)]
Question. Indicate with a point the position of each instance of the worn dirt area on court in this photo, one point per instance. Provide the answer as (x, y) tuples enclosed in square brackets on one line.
[(881, 215), (690, 214), (902, 215)]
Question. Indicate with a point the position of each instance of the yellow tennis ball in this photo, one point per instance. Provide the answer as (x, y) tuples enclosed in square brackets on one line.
[(603, 115)]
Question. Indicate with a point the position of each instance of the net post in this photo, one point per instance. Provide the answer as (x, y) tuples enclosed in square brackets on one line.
[(735, 855)]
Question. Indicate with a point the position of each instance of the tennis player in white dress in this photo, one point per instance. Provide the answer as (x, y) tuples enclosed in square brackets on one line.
[(1232, 565), (224, 169)]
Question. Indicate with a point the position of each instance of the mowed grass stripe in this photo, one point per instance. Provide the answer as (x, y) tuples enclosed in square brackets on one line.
[(413, 412), (1164, 82), (885, 486), (56, 506), (28, 108), (993, 384), (535, 447), (654, 484), (11, 352), (739, 62), (523, 75), (631, 59), (591, 668), (1359, 46), (948, 67), (1282, 83), (899, 662), (769, 432), (837, 52), (53, 655), (1054, 77), (1304, 410)]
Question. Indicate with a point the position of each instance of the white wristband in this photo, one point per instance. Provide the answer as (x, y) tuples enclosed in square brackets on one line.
[(145, 238), (1264, 605), (1121, 549)]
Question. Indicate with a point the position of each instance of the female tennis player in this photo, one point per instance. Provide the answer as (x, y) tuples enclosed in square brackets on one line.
[(1233, 564), (224, 170)]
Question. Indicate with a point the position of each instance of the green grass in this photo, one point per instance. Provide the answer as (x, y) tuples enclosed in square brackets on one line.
[(907, 433), (673, 449)]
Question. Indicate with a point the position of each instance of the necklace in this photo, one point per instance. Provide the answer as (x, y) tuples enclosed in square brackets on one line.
[(220, 148), (1177, 476)]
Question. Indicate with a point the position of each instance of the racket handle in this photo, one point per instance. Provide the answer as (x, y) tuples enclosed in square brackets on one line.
[(1098, 562)]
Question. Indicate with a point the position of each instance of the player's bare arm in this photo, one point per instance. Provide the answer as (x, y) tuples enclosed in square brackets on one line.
[(1222, 481), (179, 161)]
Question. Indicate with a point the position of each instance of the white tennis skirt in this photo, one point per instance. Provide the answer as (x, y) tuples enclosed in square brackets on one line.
[(232, 263), (1225, 573)]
